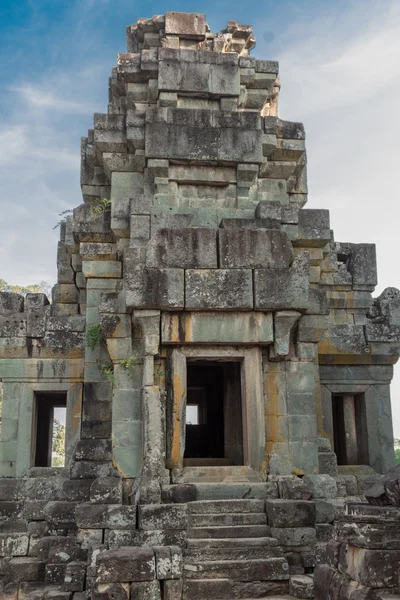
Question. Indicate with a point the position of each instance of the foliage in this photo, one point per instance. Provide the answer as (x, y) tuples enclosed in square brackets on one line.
[(99, 206), (1, 402), (93, 336), (397, 450), (58, 445), (106, 368), (62, 214), (132, 361), (36, 288)]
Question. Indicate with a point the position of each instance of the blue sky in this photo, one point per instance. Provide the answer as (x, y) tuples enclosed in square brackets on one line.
[(339, 65)]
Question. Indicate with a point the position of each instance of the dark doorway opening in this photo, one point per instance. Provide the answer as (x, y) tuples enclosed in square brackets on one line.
[(50, 418), (350, 429), (214, 430)]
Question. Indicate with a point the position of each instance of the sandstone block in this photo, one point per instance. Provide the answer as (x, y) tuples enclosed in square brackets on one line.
[(91, 516), (290, 513), (189, 248), (107, 490), (121, 517), (101, 268), (256, 249), (146, 590), (74, 579), (126, 564), (280, 289), (294, 536), (154, 288), (163, 516), (314, 228), (321, 486), (301, 586), (374, 568), (116, 591), (219, 289), (11, 302), (214, 327), (26, 569), (186, 25)]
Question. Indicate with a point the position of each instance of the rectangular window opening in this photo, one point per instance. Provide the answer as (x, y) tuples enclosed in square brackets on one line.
[(214, 429), (350, 429), (50, 420)]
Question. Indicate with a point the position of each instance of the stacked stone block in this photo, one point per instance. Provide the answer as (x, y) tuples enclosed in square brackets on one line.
[(363, 557)]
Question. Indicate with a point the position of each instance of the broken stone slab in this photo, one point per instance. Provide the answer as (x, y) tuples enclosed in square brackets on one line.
[(387, 490), (126, 564)]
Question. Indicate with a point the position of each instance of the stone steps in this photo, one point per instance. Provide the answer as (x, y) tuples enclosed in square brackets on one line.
[(226, 506), (190, 492), (217, 474), (226, 589), (198, 555), (231, 542), (235, 531), (240, 570), (227, 519)]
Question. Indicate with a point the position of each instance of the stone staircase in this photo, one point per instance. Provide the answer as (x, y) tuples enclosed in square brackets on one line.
[(230, 553)]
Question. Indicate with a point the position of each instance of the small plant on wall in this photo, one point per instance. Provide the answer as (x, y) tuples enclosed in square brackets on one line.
[(131, 362), (94, 336), (100, 206), (106, 368)]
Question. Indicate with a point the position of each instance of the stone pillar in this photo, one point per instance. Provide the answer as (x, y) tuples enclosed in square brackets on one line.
[(350, 430), (291, 424), (379, 427)]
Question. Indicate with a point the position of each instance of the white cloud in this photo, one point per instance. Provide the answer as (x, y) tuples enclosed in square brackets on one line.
[(341, 77), (36, 96)]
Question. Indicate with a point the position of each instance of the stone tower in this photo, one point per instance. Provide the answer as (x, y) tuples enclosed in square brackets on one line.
[(222, 364)]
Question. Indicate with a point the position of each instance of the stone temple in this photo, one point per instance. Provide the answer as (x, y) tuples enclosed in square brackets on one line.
[(223, 366)]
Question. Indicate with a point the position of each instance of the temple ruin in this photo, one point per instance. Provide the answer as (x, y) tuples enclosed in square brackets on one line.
[(222, 364)]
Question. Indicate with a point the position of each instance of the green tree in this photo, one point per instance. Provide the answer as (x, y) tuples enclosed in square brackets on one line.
[(58, 445), (1, 402), (35, 288), (397, 450)]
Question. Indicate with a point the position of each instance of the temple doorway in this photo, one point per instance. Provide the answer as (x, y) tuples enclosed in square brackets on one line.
[(214, 428)]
